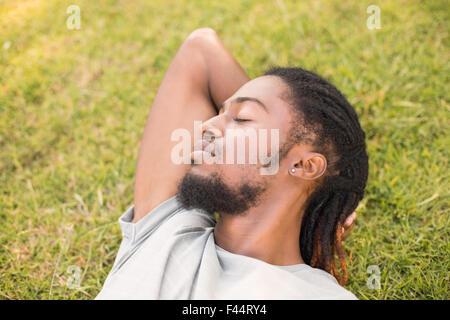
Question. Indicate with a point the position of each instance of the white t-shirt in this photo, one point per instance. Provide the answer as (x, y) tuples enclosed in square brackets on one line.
[(171, 254)]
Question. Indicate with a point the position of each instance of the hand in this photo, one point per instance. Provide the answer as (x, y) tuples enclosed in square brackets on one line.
[(349, 223)]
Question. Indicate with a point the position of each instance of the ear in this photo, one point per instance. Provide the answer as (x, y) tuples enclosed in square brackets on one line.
[(310, 166)]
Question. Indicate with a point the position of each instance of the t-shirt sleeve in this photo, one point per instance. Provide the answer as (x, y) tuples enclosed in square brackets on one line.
[(151, 221), (134, 234)]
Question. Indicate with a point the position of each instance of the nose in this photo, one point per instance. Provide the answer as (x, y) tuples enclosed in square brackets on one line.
[(208, 135), (210, 131)]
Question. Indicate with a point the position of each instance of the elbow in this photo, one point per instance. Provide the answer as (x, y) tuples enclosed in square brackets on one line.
[(202, 37), (205, 34)]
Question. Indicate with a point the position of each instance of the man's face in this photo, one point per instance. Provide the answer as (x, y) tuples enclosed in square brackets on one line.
[(224, 176)]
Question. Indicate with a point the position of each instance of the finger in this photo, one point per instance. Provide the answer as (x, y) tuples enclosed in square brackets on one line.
[(350, 219), (346, 231)]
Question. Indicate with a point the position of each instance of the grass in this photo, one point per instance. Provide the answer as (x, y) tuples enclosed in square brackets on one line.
[(73, 105)]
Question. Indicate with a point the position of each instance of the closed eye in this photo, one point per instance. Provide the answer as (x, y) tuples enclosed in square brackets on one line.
[(239, 119)]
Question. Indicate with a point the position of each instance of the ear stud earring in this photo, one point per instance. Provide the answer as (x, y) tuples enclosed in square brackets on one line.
[(292, 170)]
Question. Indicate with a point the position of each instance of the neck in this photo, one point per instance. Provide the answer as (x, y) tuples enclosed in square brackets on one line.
[(269, 231)]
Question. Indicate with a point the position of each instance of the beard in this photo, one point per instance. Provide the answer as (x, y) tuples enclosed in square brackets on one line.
[(211, 194)]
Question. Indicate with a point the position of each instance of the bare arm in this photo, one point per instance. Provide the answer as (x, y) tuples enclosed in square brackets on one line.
[(201, 76)]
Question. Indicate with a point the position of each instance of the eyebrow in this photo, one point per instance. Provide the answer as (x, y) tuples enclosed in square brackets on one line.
[(244, 99)]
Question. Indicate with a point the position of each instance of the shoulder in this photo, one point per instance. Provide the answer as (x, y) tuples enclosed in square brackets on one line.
[(326, 285), (168, 217)]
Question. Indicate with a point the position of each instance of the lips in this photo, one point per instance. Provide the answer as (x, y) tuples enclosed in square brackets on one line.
[(201, 152)]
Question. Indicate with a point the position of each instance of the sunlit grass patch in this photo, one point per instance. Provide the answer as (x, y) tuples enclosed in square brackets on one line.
[(73, 105)]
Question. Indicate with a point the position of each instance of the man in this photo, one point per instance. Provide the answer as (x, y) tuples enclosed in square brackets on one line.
[(277, 233)]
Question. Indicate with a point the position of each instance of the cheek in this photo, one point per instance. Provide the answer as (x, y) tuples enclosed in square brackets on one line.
[(240, 148), (250, 149)]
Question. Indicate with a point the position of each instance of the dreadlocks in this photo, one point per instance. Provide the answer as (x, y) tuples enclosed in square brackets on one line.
[(326, 119)]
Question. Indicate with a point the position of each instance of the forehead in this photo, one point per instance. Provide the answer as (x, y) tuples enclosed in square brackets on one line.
[(268, 89)]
